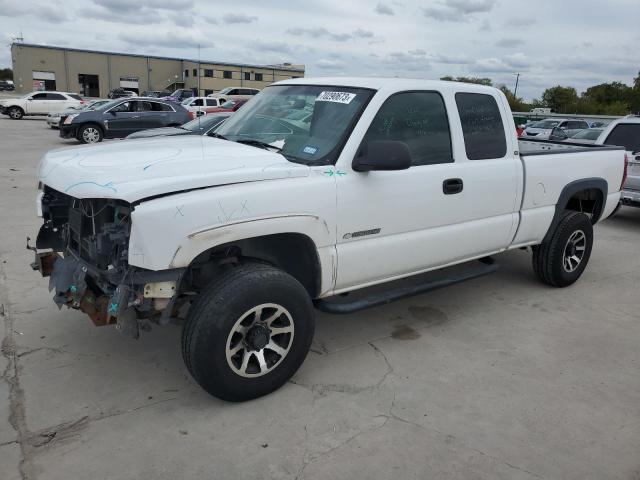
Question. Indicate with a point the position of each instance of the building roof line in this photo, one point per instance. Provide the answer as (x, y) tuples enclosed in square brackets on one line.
[(215, 62)]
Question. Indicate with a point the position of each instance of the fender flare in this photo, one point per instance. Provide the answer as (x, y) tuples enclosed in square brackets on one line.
[(596, 183)]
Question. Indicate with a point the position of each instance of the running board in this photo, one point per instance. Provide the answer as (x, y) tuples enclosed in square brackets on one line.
[(342, 305)]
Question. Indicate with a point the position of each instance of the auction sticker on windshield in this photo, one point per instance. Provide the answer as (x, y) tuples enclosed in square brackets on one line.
[(336, 97)]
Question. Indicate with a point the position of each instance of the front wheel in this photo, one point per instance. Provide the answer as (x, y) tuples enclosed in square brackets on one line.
[(89, 134), (16, 113), (560, 260), (248, 332)]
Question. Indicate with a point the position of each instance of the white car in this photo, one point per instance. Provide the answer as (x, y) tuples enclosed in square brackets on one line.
[(235, 93), (39, 103), (197, 105), (542, 130), (249, 228), (626, 132)]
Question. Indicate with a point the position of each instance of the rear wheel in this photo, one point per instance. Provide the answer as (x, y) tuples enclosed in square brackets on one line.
[(90, 134), (248, 332), (16, 113), (560, 260)]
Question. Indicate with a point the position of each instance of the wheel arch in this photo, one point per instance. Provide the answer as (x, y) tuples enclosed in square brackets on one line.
[(587, 195), (293, 252)]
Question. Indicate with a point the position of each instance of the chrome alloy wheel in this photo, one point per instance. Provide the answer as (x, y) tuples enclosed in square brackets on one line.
[(260, 340), (91, 135), (574, 251)]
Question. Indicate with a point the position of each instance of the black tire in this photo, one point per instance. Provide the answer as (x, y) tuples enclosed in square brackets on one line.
[(550, 257), (15, 113), (90, 134), (214, 315)]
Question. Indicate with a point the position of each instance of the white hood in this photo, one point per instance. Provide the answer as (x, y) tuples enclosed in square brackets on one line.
[(133, 170)]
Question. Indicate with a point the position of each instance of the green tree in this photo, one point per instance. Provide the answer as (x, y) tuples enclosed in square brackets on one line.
[(6, 74), (561, 99), (517, 104)]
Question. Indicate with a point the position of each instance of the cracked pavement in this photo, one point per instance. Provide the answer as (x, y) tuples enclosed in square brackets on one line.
[(497, 378)]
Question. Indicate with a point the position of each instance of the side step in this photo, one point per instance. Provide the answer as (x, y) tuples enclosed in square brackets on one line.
[(375, 296)]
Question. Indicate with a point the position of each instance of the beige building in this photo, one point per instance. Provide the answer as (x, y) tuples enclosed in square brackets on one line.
[(94, 73)]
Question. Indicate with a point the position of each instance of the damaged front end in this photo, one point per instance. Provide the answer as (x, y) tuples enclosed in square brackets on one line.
[(83, 247)]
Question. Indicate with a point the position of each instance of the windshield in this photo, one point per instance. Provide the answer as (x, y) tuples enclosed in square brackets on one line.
[(589, 134), (204, 123), (332, 112), (186, 101), (546, 124), (225, 90)]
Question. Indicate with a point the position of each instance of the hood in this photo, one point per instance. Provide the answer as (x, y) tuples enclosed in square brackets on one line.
[(159, 132), (133, 170)]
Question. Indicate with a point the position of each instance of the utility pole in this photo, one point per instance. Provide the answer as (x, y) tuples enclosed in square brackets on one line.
[(515, 90), (198, 71)]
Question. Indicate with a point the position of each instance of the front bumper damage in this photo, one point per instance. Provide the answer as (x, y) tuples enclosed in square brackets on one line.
[(129, 301)]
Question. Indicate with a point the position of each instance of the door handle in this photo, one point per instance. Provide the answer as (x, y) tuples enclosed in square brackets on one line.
[(452, 186)]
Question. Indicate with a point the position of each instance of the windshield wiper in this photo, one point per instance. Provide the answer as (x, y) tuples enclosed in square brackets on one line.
[(217, 135), (258, 143)]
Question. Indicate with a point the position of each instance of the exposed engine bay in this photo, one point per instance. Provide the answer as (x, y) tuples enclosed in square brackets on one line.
[(83, 247)]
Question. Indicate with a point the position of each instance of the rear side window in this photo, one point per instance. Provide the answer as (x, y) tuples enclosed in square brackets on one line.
[(482, 126), (55, 96), (418, 119), (75, 97), (212, 102), (161, 107), (625, 135)]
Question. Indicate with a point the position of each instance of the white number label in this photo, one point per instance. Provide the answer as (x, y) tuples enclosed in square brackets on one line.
[(336, 97)]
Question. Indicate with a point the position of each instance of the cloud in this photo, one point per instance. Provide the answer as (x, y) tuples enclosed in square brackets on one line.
[(42, 11), (272, 47), (509, 42), (238, 18), (321, 32), (360, 33), (326, 64), (506, 64), (173, 40), (485, 26), (127, 6), (523, 21), (384, 9), (413, 60), (142, 17), (209, 19), (458, 10), (181, 19)]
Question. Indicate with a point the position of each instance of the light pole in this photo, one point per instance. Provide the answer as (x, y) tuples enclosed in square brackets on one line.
[(515, 90)]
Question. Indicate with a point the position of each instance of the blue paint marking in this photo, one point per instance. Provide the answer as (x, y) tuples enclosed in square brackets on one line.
[(73, 289), (113, 308), (108, 185)]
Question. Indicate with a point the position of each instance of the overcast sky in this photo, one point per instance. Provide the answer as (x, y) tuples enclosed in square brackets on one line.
[(569, 42)]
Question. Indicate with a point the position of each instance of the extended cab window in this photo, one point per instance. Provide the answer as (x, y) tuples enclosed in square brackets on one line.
[(625, 135), (419, 119), (482, 126)]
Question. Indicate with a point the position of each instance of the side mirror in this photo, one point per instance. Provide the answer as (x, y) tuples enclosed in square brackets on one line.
[(112, 112), (29, 99), (382, 155)]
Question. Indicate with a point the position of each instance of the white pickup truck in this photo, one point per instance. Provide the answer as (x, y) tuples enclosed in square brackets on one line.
[(245, 231)]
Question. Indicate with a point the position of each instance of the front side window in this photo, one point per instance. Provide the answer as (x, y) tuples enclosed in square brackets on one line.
[(418, 119), (39, 96), (625, 135), (268, 118), (198, 102), (123, 107), (482, 126)]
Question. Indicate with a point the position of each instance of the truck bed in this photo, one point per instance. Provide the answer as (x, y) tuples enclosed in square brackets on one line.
[(551, 166)]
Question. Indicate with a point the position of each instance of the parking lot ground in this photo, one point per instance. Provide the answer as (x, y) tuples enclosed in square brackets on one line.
[(497, 378)]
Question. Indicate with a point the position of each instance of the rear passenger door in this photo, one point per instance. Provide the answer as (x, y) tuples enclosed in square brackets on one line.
[(457, 201)]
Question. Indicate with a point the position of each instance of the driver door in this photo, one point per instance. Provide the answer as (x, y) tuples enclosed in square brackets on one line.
[(37, 104)]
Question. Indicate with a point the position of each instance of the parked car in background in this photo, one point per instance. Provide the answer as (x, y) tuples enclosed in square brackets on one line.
[(625, 132), (7, 86), (155, 93), (560, 134), (235, 93), (542, 130), (121, 93), (179, 95), (229, 106), (197, 105), (39, 103), (121, 117), (587, 137), (53, 119), (202, 125)]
